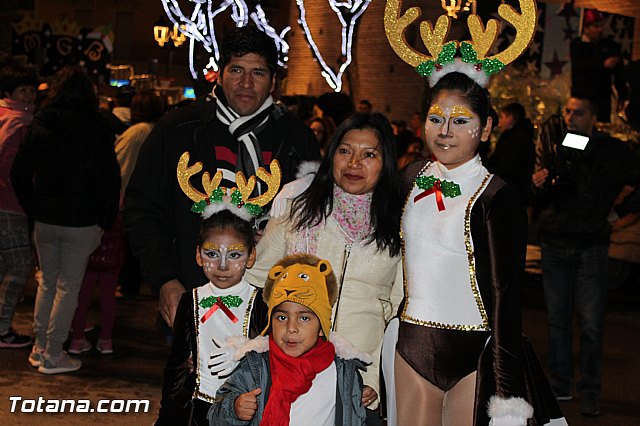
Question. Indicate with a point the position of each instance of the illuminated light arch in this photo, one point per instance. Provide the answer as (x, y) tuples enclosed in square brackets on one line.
[(348, 13), (199, 27)]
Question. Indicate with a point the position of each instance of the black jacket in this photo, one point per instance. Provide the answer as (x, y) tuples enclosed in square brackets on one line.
[(66, 172), (514, 156), (159, 223), (582, 187)]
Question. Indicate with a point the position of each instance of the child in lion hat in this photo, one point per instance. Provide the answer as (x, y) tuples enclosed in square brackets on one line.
[(298, 370)]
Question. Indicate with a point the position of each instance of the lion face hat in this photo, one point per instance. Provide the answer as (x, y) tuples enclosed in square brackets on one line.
[(303, 279)]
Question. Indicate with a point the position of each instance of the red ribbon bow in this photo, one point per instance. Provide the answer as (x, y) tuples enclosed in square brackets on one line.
[(437, 189), (219, 304)]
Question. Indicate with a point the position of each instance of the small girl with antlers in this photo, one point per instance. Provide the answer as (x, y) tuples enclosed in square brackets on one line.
[(209, 315)]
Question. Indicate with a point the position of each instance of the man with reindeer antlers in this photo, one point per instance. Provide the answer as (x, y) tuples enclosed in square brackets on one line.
[(237, 128)]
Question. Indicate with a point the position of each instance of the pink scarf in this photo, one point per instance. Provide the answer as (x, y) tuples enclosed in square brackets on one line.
[(351, 212)]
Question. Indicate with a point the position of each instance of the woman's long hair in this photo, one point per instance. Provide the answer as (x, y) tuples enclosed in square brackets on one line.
[(316, 203), (71, 89)]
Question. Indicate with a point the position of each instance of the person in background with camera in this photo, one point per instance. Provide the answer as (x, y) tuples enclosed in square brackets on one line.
[(576, 189)]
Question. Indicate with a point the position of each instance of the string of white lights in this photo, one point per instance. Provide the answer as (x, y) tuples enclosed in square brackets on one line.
[(348, 13), (200, 28)]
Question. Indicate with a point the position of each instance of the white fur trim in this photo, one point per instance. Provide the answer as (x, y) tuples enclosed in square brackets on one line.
[(307, 168), (259, 344), (218, 206), (346, 351), (509, 411), (479, 76)]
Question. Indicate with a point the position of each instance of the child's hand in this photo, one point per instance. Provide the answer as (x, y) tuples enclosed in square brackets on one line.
[(246, 404)]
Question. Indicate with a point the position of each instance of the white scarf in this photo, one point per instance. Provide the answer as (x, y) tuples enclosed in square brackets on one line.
[(245, 128)]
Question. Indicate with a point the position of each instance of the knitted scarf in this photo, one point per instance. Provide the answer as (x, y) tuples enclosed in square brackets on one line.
[(245, 128), (292, 377), (351, 212)]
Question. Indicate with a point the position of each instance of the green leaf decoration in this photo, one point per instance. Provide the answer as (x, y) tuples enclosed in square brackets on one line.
[(449, 189), (468, 53), (217, 195), (426, 68), (491, 66), (447, 53), (228, 301), (254, 209), (236, 198)]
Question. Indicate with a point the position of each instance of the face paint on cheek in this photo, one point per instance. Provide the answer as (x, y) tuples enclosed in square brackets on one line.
[(209, 266), (474, 132)]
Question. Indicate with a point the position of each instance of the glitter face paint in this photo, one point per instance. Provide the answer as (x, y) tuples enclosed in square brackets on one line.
[(452, 130), (460, 111), (224, 258)]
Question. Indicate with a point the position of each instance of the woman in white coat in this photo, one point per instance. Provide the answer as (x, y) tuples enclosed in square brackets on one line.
[(350, 216)]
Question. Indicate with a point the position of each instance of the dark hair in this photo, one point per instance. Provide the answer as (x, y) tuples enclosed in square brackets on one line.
[(476, 95), (329, 129), (316, 203), (404, 139), (226, 220), (337, 106), (124, 95), (248, 39), (146, 106), (589, 96), (14, 76), (71, 89), (366, 102), (516, 111)]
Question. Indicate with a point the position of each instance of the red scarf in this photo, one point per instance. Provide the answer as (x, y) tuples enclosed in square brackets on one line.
[(292, 377)]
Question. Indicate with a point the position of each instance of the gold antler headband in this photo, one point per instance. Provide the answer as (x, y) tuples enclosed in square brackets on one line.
[(474, 62), (237, 199)]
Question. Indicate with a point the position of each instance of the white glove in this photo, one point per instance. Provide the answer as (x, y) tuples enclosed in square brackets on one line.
[(222, 359), (288, 192)]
